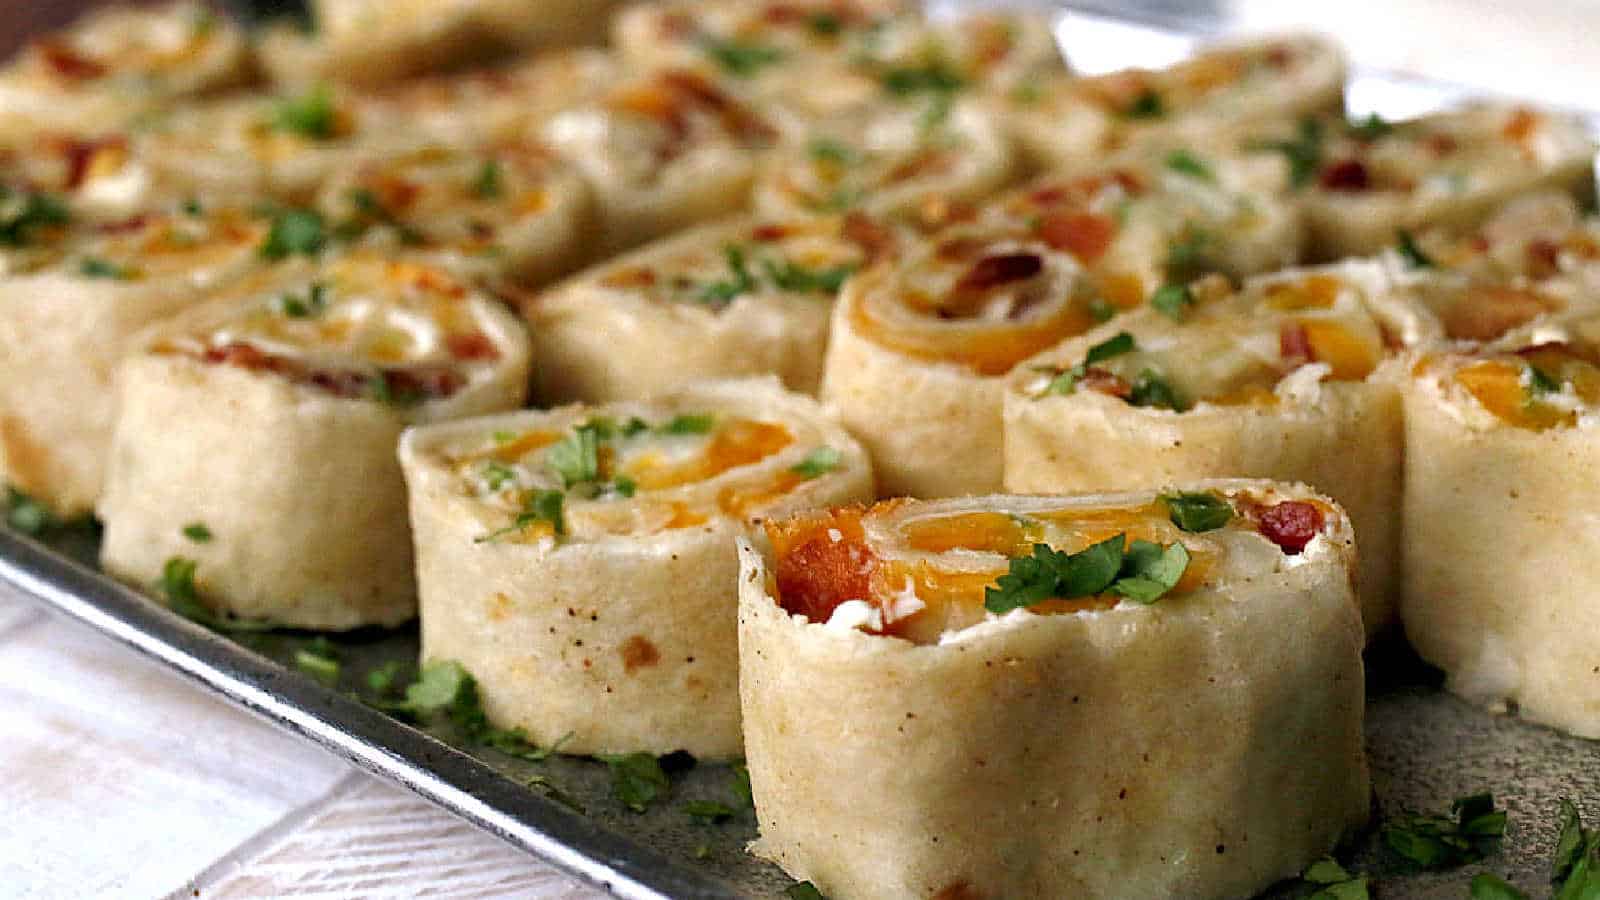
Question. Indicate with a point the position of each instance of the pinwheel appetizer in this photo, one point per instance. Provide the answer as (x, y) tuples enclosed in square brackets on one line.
[(79, 177), (266, 421), (509, 210), (1363, 182), (1537, 237), (661, 152), (118, 64), (70, 314), (1063, 123), (1280, 380), (377, 41), (1500, 556), (886, 160), (581, 562), (742, 298), (919, 350), (1110, 695)]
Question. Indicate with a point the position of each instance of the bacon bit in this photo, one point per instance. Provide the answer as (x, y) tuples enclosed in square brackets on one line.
[(1279, 56), (437, 282), (341, 383), (1346, 175), (783, 13), (474, 346), (407, 384), (1487, 313), (1104, 382), (936, 211), (1543, 258), (1521, 125), (676, 25), (1086, 236), (815, 573), (1294, 344), (245, 356), (764, 234), (874, 238), (395, 194), (638, 277), (928, 162), (993, 271), (1440, 145), (67, 62), (1291, 524), (80, 157), (124, 226), (959, 248), (426, 384)]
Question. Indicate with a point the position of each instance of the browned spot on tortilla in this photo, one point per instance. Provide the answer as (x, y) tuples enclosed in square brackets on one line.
[(23, 460), (638, 653), (958, 890), (499, 607)]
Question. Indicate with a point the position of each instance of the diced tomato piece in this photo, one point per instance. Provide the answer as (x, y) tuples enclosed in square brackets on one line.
[(1291, 524), (474, 346), (1294, 345), (1346, 175), (1086, 236), (67, 62), (816, 572)]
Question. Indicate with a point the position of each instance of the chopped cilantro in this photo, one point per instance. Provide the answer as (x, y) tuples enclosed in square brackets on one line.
[(497, 474), (487, 184), (1486, 886), (1101, 311), (803, 890), (741, 786), (1371, 128), (177, 585), (817, 463), (197, 532), (739, 58), (314, 303), (576, 458), (1438, 842), (689, 424), (824, 23), (1303, 151), (637, 779), (26, 514), (384, 678), (635, 426), (709, 812), (371, 211), (1116, 345), (624, 486), (1411, 253), (537, 506), (788, 276), (827, 150), (1187, 257), (193, 207), (1576, 868), (319, 660), (177, 580), (1186, 163), (1143, 572), (23, 214), (1148, 105), (1150, 389), (544, 786), (95, 267), (727, 289), (294, 231), (1335, 883), (1197, 512), (1173, 301), (933, 77), (1541, 382), (311, 114)]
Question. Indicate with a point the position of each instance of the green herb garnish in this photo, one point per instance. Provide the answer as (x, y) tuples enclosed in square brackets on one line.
[(497, 474), (1186, 163), (1173, 301), (709, 812), (487, 183), (311, 114), (1143, 572), (319, 660), (1371, 128), (803, 890), (817, 463), (95, 267), (1303, 151), (1411, 253), (727, 289), (827, 150), (823, 23), (1197, 512), (537, 506), (294, 231), (576, 458), (314, 303), (934, 77), (1487, 886), (1335, 883), (197, 532), (739, 58), (1438, 842), (1116, 345), (689, 424), (1148, 105), (1187, 256), (544, 786), (637, 779), (26, 514), (1152, 390), (23, 214), (384, 678), (1541, 382), (788, 276)]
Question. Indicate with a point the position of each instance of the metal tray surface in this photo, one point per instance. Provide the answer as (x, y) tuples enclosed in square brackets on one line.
[(1425, 746)]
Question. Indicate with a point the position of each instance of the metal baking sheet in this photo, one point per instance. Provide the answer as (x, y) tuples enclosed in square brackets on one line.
[(1426, 747)]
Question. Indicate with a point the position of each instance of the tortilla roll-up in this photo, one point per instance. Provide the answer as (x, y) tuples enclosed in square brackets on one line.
[(1062, 123), (119, 63), (270, 417), (662, 151), (505, 211), (919, 349), (1501, 466), (1374, 178), (1284, 379), (886, 160), (581, 562), (748, 297), (1165, 701), (68, 322), (1536, 238), (373, 42)]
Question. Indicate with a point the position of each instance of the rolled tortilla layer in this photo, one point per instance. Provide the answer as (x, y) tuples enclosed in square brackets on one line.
[(1540, 237), (505, 211), (1285, 379), (270, 417), (886, 160), (1447, 169), (1062, 123), (662, 151), (919, 350), (747, 297), (1501, 466), (117, 64), (69, 321), (581, 562), (1225, 717)]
